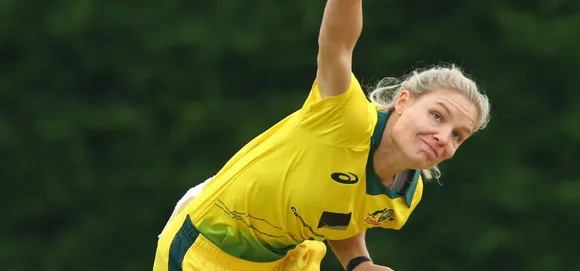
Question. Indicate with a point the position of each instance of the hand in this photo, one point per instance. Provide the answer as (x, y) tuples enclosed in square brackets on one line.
[(368, 266)]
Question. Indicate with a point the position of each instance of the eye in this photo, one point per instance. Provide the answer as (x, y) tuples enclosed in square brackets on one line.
[(457, 136), (436, 116)]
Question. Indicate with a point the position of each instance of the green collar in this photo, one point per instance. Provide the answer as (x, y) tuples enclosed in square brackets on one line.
[(374, 184)]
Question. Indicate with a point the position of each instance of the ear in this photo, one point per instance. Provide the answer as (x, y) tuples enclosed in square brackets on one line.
[(403, 100)]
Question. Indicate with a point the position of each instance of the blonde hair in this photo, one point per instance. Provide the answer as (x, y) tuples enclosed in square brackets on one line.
[(420, 82)]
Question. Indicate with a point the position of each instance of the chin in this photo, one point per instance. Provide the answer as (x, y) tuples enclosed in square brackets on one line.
[(428, 166), (422, 161), (421, 164)]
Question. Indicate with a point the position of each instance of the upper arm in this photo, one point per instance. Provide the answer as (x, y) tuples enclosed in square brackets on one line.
[(339, 32), (337, 109), (333, 74), (349, 248)]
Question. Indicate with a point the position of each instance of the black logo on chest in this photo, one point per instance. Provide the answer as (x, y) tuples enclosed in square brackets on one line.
[(344, 178)]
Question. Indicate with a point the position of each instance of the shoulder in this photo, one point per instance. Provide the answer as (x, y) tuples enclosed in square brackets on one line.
[(315, 102), (341, 120)]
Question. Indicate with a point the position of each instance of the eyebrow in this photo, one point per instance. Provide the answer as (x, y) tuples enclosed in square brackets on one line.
[(469, 131), (445, 107)]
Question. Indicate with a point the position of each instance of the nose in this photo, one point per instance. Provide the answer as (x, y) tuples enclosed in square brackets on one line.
[(441, 138)]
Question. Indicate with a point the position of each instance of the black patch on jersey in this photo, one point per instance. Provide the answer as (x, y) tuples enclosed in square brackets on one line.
[(334, 221)]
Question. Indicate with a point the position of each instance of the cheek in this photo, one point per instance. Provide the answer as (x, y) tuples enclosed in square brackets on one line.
[(423, 126), (406, 133), (403, 139), (413, 127), (450, 151)]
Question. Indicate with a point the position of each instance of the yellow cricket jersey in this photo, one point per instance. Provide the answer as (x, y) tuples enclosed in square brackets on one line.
[(310, 176)]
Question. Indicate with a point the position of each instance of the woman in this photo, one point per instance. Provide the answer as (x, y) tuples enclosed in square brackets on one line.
[(329, 171)]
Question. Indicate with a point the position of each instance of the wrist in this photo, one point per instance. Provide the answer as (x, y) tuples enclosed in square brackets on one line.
[(362, 266), (357, 262)]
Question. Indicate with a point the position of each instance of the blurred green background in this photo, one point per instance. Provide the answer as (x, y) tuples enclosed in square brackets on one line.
[(111, 110)]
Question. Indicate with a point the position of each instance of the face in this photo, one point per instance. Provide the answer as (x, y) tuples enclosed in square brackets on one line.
[(431, 128)]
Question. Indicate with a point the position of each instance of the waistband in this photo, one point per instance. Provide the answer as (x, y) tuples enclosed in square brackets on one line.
[(211, 253), (203, 249), (307, 256)]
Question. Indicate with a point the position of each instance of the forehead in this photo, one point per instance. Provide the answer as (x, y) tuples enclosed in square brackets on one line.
[(446, 94), (454, 101)]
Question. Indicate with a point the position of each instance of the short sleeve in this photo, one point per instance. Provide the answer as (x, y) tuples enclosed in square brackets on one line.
[(343, 120)]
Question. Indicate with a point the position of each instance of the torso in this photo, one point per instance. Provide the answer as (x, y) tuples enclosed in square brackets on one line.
[(308, 177)]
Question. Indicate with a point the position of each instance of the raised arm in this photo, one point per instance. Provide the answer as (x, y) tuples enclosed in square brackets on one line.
[(339, 32)]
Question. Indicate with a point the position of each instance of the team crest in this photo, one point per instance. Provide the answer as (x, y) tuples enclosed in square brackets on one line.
[(377, 218)]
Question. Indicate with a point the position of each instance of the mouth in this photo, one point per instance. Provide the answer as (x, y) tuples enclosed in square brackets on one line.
[(431, 148)]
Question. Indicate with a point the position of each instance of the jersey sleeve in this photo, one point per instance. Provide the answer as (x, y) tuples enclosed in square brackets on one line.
[(342, 120)]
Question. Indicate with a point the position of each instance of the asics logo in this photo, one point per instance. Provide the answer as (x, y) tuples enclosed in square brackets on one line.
[(344, 178)]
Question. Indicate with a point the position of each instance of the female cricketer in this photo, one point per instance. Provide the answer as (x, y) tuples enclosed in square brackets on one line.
[(339, 165)]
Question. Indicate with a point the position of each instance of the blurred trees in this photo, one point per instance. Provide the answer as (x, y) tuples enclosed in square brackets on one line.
[(111, 111)]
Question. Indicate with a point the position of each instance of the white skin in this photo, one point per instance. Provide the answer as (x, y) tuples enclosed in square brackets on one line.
[(424, 131)]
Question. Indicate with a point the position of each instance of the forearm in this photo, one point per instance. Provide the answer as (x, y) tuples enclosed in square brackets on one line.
[(347, 249), (341, 25)]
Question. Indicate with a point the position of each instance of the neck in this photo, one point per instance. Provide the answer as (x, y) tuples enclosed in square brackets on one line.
[(388, 158)]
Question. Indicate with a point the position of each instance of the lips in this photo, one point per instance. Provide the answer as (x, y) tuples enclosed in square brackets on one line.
[(432, 148)]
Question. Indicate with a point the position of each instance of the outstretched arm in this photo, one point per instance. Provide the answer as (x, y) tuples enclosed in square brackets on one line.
[(348, 249), (339, 32)]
